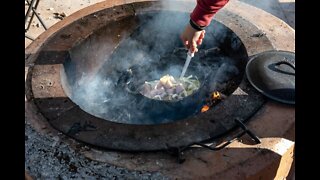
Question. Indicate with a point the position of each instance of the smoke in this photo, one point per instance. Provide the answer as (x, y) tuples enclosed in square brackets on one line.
[(153, 49), (90, 94), (224, 73)]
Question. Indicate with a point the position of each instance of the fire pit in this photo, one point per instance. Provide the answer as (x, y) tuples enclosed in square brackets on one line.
[(77, 72), (100, 111)]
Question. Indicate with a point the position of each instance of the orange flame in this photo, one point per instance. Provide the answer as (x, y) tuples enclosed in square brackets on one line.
[(214, 96), (205, 108)]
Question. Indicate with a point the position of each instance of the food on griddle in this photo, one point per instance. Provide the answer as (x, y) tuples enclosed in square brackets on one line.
[(170, 89)]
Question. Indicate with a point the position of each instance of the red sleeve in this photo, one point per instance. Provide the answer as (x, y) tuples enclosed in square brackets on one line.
[(205, 10)]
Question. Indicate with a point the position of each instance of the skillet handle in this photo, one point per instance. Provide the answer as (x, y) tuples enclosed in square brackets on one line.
[(287, 63)]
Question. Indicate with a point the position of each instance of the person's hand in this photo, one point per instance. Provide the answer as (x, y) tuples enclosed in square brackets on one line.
[(191, 38)]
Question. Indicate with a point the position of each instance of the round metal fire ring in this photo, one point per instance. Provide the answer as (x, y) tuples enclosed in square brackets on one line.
[(73, 52)]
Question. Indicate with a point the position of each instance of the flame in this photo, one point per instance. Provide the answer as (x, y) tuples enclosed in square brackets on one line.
[(205, 108), (214, 96)]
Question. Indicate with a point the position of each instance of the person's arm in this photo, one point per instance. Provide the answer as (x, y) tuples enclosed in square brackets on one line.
[(199, 19), (205, 10)]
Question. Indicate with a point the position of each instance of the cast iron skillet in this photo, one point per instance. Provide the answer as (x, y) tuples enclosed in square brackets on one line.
[(273, 74)]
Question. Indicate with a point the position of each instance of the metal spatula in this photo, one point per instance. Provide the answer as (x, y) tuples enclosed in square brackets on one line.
[(186, 64)]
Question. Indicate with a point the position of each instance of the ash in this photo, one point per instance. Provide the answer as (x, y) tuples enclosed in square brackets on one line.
[(47, 158)]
